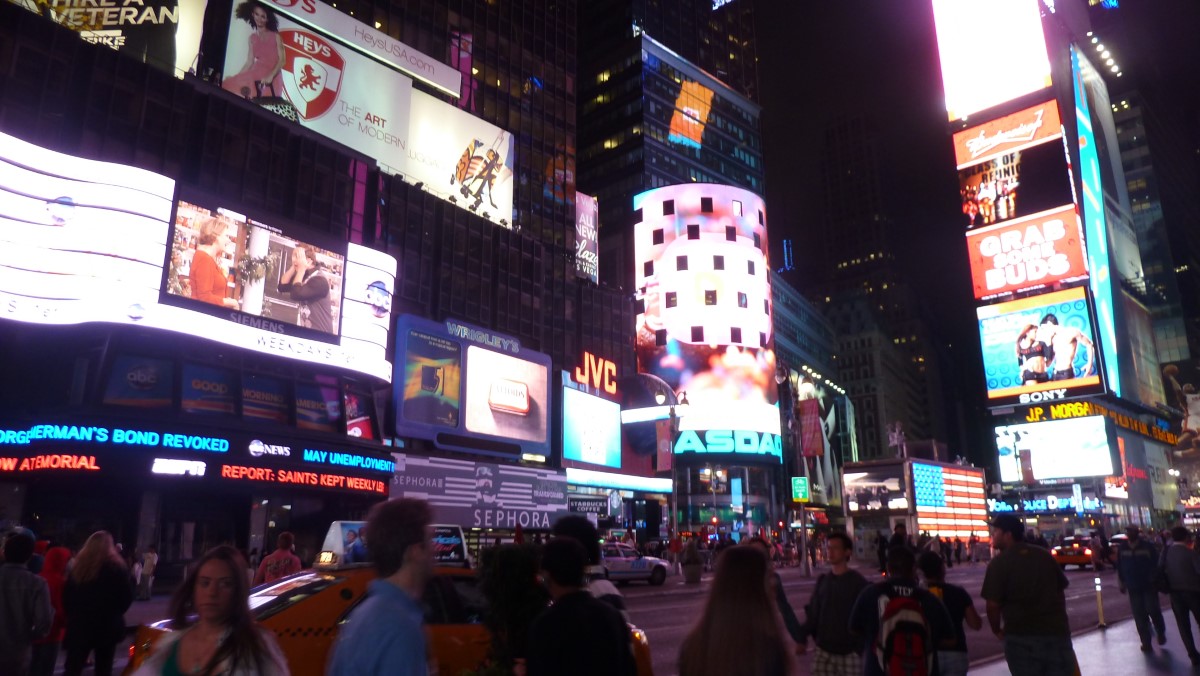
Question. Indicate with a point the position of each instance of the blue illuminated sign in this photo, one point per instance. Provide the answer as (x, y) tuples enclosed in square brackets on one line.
[(355, 460), (1050, 503), (741, 442), (114, 435), (929, 485), (1095, 230)]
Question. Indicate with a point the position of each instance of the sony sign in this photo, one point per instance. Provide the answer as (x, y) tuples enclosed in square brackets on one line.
[(729, 441)]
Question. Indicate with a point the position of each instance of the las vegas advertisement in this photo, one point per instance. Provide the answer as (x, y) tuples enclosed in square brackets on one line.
[(346, 81), (704, 315), (470, 389), (1012, 167), (969, 33), (1041, 348), (163, 33), (85, 241)]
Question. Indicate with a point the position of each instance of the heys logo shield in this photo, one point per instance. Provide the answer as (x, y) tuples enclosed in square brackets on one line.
[(312, 72)]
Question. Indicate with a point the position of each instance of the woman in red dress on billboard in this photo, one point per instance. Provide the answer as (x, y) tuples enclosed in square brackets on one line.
[(208, 281), (264, 59)]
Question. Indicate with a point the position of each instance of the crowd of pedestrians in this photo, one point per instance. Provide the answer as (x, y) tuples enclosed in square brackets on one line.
[(573, 621)]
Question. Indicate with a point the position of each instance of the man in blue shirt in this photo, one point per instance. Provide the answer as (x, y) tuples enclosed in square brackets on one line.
[(384, 634)]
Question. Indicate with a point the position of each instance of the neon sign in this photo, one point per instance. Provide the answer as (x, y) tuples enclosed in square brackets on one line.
[(56, 461), (349, 460), (729, 441), (1050, 503), (596, 371), (115, 435), (298, 478)]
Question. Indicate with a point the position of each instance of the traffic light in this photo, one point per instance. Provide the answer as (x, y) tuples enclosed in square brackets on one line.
[(714, 519)]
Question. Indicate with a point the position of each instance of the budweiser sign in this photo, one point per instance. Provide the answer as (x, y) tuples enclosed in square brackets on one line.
[(1007, 134)]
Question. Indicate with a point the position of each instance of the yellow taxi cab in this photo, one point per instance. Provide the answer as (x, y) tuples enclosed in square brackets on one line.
[(306, 609), (1074, 551)]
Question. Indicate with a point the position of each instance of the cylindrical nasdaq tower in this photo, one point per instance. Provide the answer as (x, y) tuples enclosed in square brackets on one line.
[(704, 328)]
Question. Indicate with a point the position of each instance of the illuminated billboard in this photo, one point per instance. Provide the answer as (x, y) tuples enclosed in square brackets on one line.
[(84, 241), (1015, 184), (587, 233), (1001, 136), (470, 389), (1054, 449), (460, 158), (164, 34), (1041, 348), (870, 489), (217, 256), (969, 32), (950, 501), (704, 314), (591, 429), (691, 114), (1087, 84), (373, 43), (339, 78), (1182, 383), (1041, 250)]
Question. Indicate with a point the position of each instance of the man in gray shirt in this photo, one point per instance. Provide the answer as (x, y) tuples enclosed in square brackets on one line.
[(25, 612), (1182, 567)]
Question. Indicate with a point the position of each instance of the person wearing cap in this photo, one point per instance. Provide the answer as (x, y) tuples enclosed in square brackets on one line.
[(1026, 604), (1137, 559)]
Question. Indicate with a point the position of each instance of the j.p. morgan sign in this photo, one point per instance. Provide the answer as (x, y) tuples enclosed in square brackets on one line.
[(483, 495)]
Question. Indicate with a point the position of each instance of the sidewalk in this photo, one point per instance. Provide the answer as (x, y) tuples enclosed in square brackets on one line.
[(1116, 649)]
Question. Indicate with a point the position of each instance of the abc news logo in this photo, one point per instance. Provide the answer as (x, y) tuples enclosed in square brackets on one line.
[(258, 449)]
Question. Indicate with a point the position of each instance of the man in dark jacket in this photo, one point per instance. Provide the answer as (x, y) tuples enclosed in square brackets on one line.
[(25, 612), (1136, 561), (578, 634), (1181, 563)]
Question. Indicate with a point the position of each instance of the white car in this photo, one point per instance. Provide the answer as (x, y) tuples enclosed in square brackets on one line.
[(623, 563)]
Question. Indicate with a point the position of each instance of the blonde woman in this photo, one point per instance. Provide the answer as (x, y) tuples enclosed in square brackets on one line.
[(99, 590), (208, 282)]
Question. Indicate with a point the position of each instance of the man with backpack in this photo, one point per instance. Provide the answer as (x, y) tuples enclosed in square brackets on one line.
[(1026, 604), (828, 612), (903, 625)]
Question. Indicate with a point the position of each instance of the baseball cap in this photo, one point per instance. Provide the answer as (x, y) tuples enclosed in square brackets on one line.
[(1008, 523)]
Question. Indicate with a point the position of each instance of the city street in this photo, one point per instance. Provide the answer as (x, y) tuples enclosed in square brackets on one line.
[(667, 613)]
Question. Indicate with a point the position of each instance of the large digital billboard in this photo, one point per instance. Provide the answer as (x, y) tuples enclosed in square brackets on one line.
[(879, 488), (591, 429), (1011, 133), (339, 78), (1087, 84), (84, 241), (1038, 251), (1041, 348), (1015, 184), (970, 32), (1054, 449), (163, 33), (691, 114), (704, 314), (471, 389), (222, 260)]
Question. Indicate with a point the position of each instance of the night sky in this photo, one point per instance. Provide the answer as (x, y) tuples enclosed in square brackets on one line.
[(879, 58)]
